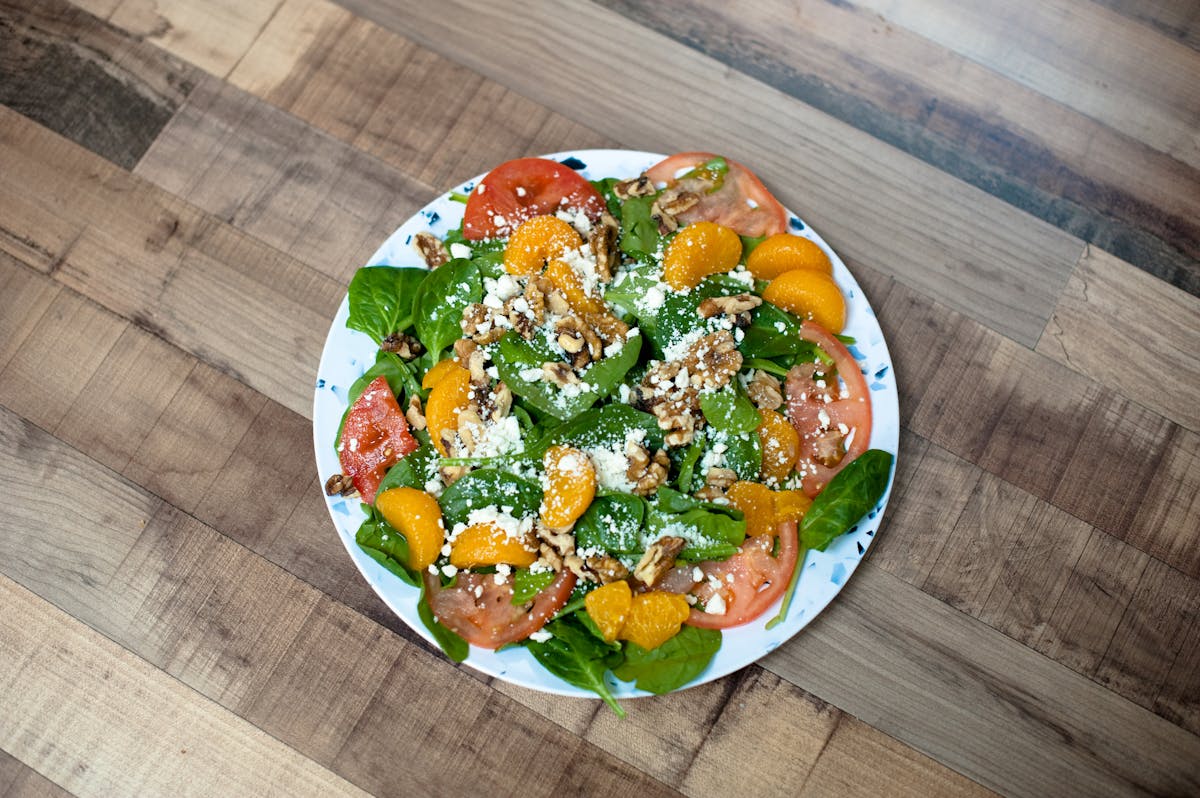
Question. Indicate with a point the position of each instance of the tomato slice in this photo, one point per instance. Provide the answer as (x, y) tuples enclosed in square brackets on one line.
[(749, 582), (820, 422), (521, 189), (374, 438), (482, 612), (738, 199)]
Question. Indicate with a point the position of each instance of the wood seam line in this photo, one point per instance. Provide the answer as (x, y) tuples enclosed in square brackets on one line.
[(1167, 672), (17, 759), (970, 494), (734, 684), (1083, 253), (837, 724), (192, 690), (270, 18)]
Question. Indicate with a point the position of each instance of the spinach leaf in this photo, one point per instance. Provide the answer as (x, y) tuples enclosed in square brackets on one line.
[(743, 452), (603, 427), (613, 523), (769, 366), (678, 316), (729, 410), (413, 470), (578, 657), (848, 497), (527, 584), (487, 487), (687, 464), (774, 333), (381, 299), (514, 357), (455, 647), (628, 292), (639, 230), (713, 531), (671, 665), (384, 544), (440, 300)]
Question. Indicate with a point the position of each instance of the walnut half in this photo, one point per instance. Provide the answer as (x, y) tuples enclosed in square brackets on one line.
[(658, 559)]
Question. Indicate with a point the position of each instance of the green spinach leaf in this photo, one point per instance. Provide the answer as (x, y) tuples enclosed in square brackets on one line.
[(604, 427), (455, 647), (578, 657), (381, 300), (487, 487), (527, 584), (385, 545), (639, 230), (612, 522), (440, 300), (413, 470), (673, 664), (729, 410)]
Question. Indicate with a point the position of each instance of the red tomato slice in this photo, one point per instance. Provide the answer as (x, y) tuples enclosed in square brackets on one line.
[(489, 619), (749, 582), (817, 421), (374, 438), (521, 189), (740, 202)]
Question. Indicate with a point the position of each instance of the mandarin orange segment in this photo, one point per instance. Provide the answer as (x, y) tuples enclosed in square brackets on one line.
[(757, 502), (570, 485), (784, 252), (791, 505), (654, 618), (608, 607), (487, 544), (446, 399), (698, 250), (435, 374), (571, 286), (416, 515), (536, 241), (780, 445), (810, 295)]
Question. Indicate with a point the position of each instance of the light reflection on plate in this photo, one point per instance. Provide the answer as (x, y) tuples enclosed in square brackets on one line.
[(347, 354)]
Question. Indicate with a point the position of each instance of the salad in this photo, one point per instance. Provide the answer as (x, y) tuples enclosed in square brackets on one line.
[(607, 419)]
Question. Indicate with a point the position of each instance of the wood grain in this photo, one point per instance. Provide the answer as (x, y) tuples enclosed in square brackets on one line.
[(99, 721), (18, 780), (876, 226), (958, 115), (1111, 316)]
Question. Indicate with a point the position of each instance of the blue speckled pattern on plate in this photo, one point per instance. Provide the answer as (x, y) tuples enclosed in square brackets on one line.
[(348, 354)]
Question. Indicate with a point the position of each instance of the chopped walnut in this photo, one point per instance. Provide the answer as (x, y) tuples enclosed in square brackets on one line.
[(713, 360), (645, 472), (737, 308), (828, 447), (671, 390), (640, 186), (669, 205), (555, 545), (432, 250), (503, 399), (414, 414), (475, 365), (481, 324), (559, 373), (339, 484), (765, 391), (450, 474), (716, 482), (578, 340), (403, 345), (658, 559), (602, 240), (463, 348), (606, 568)]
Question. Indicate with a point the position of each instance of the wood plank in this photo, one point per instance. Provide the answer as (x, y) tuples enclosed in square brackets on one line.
[(131, 387), (173, 270), (61, 352), (1166, 524), (1151, 634), (400, 102), (1179, 699), (213, 36), (99, 721), (18, 780), (1109, 316), (186, 449), (24, 297), (267, 173), (88, 81), (1085, 618), (895, 769), (1130, 78), (978, 701), (1178, 19), (959, 116), (907, 219)]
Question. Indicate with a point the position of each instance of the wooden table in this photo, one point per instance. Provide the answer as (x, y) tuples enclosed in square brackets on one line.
[(186, 188)]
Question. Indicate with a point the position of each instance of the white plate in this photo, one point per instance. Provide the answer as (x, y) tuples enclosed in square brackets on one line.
[(349, 353)]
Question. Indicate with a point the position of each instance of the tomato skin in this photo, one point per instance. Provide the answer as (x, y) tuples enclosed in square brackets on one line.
[(374, 438), (758, 579), (805, 405), (726, 205), (490, 620), (545, 186)]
